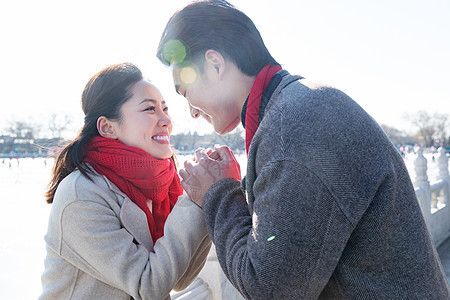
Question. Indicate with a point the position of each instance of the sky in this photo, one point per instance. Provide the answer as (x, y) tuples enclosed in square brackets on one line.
[(392, 57)]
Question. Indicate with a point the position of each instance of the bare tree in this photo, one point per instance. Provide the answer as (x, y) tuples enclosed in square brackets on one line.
[(431, 128), (58, 124), (441, 123), (22, 129), (397, 136)]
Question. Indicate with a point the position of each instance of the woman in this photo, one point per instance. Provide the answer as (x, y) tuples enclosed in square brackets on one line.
[(110, 234)]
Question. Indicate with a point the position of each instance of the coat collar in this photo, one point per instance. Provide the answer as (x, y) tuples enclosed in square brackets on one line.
[(286, 79), (135, 221), (131, 216)]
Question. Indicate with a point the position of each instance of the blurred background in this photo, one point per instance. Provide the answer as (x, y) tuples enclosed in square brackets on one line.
[(392, 57)]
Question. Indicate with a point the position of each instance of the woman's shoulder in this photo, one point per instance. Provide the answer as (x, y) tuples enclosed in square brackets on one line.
[(77, 186), (75, 180)]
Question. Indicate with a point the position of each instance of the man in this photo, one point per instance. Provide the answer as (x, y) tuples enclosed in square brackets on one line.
[(327, 209)]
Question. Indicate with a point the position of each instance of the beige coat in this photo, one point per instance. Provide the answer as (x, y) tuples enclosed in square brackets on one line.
[(99, 245)]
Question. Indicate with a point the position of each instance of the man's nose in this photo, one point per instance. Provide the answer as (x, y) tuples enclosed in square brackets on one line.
[(195, 113)]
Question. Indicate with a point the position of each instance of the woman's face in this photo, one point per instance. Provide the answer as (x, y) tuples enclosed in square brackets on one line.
[(145, 122)]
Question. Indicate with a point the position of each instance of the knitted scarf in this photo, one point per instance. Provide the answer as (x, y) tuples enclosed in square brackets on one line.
[(254, 101), (140, 176)]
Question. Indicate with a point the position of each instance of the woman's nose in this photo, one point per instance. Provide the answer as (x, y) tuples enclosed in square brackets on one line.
[(195, 113), (165, 120)]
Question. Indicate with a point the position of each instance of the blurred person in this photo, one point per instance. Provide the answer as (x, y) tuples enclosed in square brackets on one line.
[(327, 209), (119, 227)]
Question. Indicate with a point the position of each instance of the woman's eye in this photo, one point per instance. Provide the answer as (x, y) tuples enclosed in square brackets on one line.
[(151, 108)]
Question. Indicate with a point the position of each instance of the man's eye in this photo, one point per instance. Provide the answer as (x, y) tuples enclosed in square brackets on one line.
[(166, 109)]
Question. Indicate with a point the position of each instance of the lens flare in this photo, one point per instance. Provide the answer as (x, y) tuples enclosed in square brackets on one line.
[(188, 75), (270, 238), (174, 52)]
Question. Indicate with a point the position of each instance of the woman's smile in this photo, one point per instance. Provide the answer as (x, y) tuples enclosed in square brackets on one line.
[(161, 138)]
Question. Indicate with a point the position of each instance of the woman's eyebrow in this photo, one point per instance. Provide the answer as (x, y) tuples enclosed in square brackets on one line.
[(148, 100), (151, 100)]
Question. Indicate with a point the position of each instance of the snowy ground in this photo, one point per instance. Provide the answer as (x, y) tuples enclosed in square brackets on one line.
[(23, 223)]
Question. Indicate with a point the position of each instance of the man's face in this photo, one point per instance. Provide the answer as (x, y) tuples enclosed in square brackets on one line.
[(207, 97)]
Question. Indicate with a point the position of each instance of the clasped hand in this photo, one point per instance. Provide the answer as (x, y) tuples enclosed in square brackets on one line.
[(207, 168)]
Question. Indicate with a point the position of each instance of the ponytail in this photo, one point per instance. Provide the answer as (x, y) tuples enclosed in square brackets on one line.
[(69, 159)]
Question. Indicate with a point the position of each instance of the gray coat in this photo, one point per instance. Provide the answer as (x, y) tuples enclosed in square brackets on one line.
[(99, 245), (331, 212)]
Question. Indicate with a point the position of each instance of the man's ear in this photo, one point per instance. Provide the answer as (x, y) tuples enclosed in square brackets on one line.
[(214, 62), (105, 128)]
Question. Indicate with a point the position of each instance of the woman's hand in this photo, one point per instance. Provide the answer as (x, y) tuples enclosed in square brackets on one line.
[(211, 167)]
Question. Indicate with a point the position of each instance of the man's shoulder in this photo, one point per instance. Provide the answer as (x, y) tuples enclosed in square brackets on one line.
[(303, 88), (312, 114)]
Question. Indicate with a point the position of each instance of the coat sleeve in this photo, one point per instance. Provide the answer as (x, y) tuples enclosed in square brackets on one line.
[(95, 242), (195, 266), (288, 244)]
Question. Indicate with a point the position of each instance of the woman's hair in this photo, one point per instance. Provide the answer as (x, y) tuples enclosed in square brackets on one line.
[(104, 95), (217, 25)]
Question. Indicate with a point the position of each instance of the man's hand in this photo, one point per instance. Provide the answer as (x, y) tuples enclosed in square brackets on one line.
[(209, 169)]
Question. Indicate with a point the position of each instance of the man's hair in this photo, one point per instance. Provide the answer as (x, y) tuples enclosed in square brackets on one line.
[(217, 25)]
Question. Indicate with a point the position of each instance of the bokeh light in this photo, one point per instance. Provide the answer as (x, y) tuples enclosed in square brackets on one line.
[(188, 75), (174, 51)]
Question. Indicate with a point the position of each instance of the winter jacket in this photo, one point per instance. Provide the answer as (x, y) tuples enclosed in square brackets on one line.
[(329, 212), (99, 245)]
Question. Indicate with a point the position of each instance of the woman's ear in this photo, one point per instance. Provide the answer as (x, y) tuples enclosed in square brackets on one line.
[(215, 63), (106, 128)]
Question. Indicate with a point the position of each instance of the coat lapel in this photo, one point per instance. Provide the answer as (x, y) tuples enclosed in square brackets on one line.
[(133, 218), (135, 221)]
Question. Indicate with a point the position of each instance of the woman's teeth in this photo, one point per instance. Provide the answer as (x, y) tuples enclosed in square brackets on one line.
[(161, 138)]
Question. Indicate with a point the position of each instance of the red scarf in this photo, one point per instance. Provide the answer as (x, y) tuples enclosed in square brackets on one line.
[(254, 101), (140, 176)]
